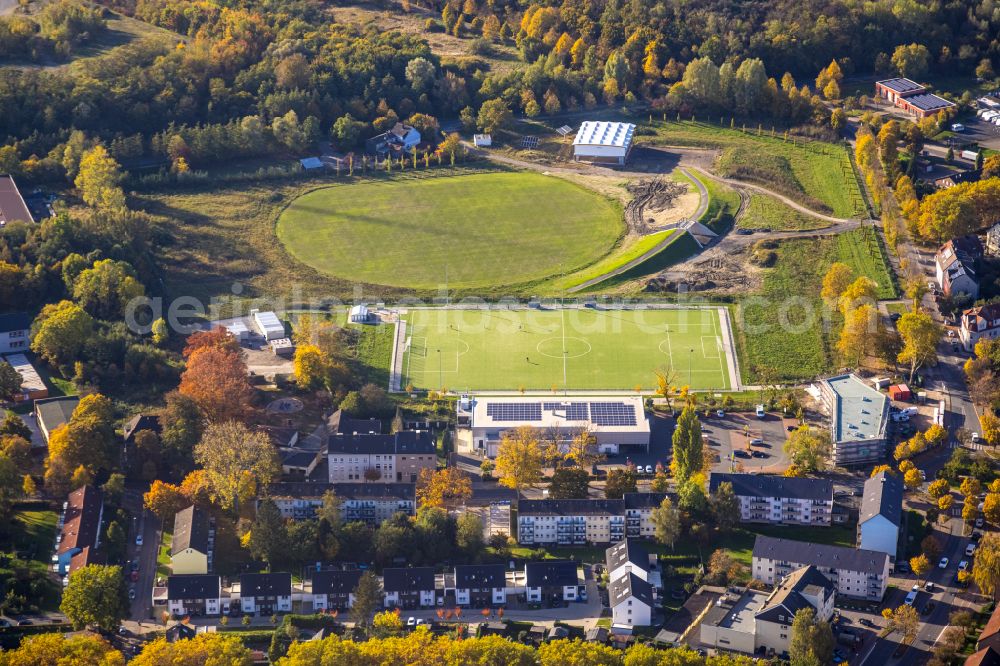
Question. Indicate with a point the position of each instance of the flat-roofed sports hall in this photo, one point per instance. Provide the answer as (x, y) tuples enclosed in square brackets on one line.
[(573, 348)]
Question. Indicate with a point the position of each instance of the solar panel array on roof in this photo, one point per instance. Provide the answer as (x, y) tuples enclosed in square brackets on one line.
[(928, 102), (514, 411), (604, 134), (575, 411), (612, 414), (901, 85)]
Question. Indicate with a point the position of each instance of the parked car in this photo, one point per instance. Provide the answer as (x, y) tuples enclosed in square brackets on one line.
[(760, 412), (963, 565), (649, 469), (759, 454), (970, 549), (138, 540), (720, 413), (943, 563), (929, 586)]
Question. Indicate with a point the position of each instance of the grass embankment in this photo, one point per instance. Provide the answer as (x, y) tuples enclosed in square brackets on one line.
[(765, 212), (469, 231), (723, 203), (785, 326), (816, 173), (680, 249), (625, 253)]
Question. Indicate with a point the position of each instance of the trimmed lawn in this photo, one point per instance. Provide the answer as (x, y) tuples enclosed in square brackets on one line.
[(575, 348), (467, 231), (373, 352), (786, 327), (35, 535), (163, 555), (817, 173)]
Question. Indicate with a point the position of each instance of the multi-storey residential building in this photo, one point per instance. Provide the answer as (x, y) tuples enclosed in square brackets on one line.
[(14, 330), (551, 580), (583, 521), (633, 577), (370, 503), (480, 585), (982, 321), (334, 590), (411, 587), (881, 515), (756, 622), (266, 593), (778, 499), (856, 573), (190, 549), (399, 457), (859, 419), (638, 513), (571, 522), (195, 594)]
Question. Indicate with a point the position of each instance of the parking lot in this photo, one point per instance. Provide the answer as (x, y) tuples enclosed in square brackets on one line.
[(730, 434)]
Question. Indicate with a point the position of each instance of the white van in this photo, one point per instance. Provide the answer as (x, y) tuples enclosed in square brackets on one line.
[(760, 412), (911, 597)]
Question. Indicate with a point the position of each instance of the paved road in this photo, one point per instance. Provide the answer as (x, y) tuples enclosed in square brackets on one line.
[(146, 524)]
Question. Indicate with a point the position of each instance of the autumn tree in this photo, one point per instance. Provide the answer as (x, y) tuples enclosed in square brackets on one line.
[(311, 366), (619, 482), (99, 180), (56, 649), (519, 458), (164, 500), (367, 598), (666, 521), (808, 449), (938, 488), (216, 379), (725, 507), (905, 620), (863, 291), (688, 446), (436, 488), (920, 565), (991, 508), (494, 114), (986, 566), (95, 597), (60, 331), (582, 449), (236, 461), (920, 334), (912, 479), (856, 336), (812, 639), (106, 288), (87, 440), (205, 648), (569, 483)]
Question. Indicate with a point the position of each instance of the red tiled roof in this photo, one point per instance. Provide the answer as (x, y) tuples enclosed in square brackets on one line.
[(83, 514)]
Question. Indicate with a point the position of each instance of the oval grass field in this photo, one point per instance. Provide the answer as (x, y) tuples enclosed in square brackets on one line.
[(476, 230)]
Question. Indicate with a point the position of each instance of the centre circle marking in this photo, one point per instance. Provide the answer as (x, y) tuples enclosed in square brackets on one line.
[(560, 339)]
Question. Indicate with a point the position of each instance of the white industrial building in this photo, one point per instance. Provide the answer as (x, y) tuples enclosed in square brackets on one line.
[(603, 142), (615, 423), (268, 325)]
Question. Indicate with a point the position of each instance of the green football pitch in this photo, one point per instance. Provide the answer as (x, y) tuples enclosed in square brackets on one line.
[(572, 349)]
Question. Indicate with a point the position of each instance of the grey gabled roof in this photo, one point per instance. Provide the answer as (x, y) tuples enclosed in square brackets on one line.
[(190, 531), (335, 582), (789, 593), (480, 576), (14, 321), (630, 586), (629, 551), (644, 500), (883, 497), (766, 485), (410, 579), (266, 584), (820, 555), (407, 442), (193, 586), (571, 507), (550, 573)]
